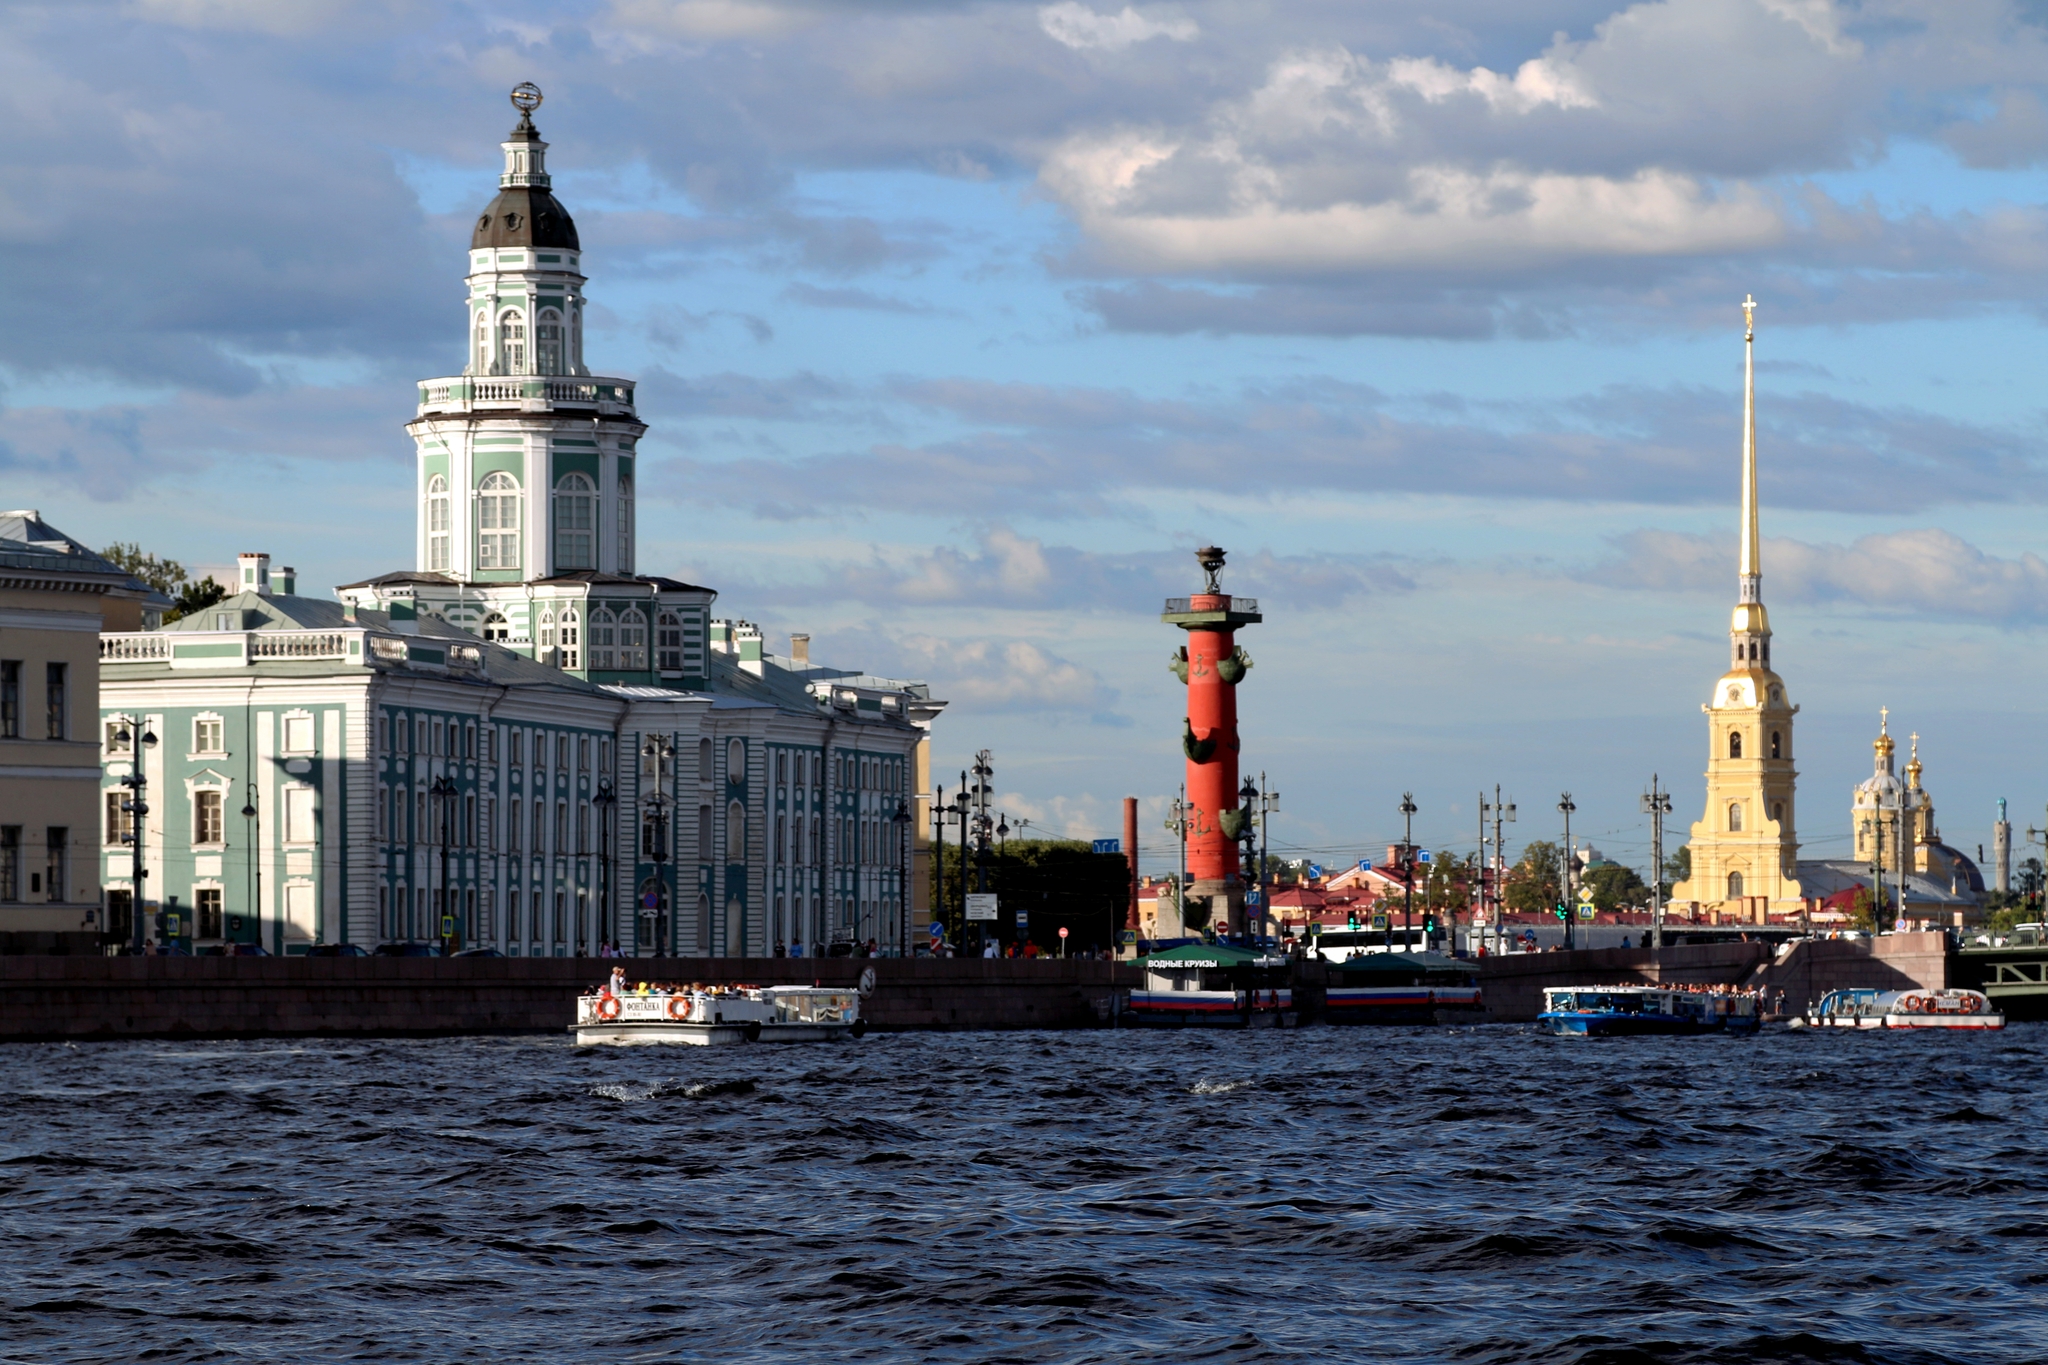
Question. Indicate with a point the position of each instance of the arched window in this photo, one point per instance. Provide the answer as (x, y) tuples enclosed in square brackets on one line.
[(735, 833), (437, 524), (547, 641), (625, 526), (632, 639), (1777, 745), (497, 522), (602, 631), (1734, 816), (511, 342), (576, 339), (703, 760), (1778, 811), (567, 636), (668, 643), (496, 627), (1734, 886), (575, 524), (735, 760), (547, 336), (1735, 744), (480, 360)]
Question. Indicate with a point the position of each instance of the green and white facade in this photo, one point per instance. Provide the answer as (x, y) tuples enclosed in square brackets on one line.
[(522, 737)]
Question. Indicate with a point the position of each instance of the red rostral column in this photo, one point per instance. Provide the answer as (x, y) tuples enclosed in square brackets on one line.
[(1212, 664)]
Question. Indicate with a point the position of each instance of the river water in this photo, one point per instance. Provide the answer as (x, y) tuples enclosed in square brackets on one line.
[(1470, 1195)]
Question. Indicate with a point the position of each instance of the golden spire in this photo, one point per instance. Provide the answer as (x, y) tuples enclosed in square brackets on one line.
[(1752, 560), (1913, 764), (1883, 742)]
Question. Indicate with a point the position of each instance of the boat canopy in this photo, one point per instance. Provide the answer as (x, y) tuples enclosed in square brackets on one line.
[(1194, 956)]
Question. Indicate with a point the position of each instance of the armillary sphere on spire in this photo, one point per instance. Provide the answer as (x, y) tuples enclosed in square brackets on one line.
[(526, 97)]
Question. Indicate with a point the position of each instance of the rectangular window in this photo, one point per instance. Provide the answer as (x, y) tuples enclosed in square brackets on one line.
[(206, 735), (583, 752), (301, 922), (208, 903), (540, 826), (206, 817), (10, 699), (562, 752), (298, 734), (54, 699), (468, 838), (299, 826), (518, 746), (120, 820), (119, 905), (485, 928), (561, 827), (704, 834), (583, 827), (512, 822), (10, 862), (119, 742), (57, 841), (383, 812)]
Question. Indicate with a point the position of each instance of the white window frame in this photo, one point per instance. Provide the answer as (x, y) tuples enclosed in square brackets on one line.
[(200, 749), (285, 743)]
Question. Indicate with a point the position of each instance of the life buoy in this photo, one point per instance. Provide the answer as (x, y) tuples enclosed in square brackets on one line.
[(1971, 1004), (679, 1007), (608, 1007)]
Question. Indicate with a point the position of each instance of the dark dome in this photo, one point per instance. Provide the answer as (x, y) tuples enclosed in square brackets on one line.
[(525, 215)]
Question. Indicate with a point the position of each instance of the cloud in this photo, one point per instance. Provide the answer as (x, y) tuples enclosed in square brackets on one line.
[(1033, 450), (1081, 28), (858, 299), (1006, 570), (1926, 573)]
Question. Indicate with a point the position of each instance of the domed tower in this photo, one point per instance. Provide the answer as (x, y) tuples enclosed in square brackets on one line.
[(1745, 855), (526, 463)]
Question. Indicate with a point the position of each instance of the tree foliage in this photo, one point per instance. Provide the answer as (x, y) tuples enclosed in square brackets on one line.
[(1678, 866), (168, 577), (1616, 888), (1532, 883), (1058, 883)]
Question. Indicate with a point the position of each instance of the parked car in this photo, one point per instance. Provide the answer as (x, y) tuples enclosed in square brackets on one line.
[(337, 950), (407, 950), (235, 950), (479, 952)]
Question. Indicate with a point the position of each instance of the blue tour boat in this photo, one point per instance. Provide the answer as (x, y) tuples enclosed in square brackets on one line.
[(1618, 1011)]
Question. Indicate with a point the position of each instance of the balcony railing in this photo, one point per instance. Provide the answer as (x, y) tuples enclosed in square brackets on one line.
[(297, 644), (466, 392), (146, 647), (1181, 605)]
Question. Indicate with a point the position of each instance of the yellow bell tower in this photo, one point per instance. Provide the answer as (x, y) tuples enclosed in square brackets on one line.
[(1745, 857)]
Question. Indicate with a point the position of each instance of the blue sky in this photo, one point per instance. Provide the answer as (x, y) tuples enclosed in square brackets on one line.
[(960, 324)]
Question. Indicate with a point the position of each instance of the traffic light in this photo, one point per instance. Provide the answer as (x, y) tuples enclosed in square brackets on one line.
[(1562, 912), (1429, 924), (1351, 920)]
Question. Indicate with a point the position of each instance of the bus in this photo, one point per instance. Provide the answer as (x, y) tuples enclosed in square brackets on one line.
[(1336, 945)]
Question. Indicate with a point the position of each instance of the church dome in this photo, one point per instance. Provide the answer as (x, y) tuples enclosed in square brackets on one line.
[(525, 216)]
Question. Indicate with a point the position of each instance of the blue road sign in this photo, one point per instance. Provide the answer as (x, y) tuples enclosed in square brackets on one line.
[(1109, 845), (1365, 864), (1421, 855), (1315, 869)]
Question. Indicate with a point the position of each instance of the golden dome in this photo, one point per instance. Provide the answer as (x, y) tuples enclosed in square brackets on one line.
[(1750, 619)]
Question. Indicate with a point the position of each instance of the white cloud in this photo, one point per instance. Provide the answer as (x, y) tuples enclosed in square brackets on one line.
[(1536, 82), (711, 19), (1006, 675), (1922, 572), (1076, 26)]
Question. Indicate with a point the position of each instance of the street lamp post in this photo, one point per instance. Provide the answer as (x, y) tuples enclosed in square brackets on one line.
[(605, 801), (1565, 884), (1658, 804), (255, 862), (1408, 809), (1177, 822), (442, 789), (136, 737), (1248, 803), (661, 751), (939, 901), (901, 820)]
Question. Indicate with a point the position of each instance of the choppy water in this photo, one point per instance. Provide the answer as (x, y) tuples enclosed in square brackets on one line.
[(1484, 1195)]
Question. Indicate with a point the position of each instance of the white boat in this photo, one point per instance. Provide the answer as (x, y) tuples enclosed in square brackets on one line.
[(712, 1015), (1919, 1008)]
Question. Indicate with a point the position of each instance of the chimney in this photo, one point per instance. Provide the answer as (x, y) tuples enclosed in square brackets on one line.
[(746, 639), (800, 650), (287, 579), (255, 573)]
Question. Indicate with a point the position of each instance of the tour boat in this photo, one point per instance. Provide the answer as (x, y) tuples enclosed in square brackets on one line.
[(1616, 1011), (713, 1015), (1903, 1009), (1213, 985), (1401, 988)]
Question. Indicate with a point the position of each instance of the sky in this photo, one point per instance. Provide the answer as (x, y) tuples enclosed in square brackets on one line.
[(959, 326)]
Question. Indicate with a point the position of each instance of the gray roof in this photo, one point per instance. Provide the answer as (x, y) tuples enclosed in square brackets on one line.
[(1825, 877), (29, 542)]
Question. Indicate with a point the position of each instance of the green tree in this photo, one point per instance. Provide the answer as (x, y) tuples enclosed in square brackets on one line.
[(1863, 910), (168, 577), (1532, 885), (1444, 885), (1616, 887), (1678, 867)]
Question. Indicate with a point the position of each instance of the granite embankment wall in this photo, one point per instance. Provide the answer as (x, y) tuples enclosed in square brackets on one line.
[(1514, 982), (225, 997)]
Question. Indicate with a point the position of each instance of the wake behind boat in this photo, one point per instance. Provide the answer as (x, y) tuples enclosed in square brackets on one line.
[(1946, 1009), (714, 1015), (1618, 1011)]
